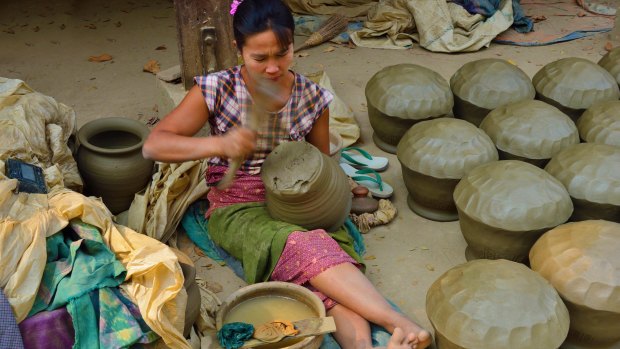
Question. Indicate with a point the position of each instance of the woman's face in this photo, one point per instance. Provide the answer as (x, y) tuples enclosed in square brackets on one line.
[(264, 58)]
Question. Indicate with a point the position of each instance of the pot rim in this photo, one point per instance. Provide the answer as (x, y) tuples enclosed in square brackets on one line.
[(97, 126)]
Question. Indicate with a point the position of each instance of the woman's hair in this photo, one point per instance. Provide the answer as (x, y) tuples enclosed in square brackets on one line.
[(256, 16)]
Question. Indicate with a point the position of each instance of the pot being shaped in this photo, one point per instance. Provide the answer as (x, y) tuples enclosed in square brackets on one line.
[(601, 124), (306, 187), (591, 173), (530, 131), (574, 85), (483, 85), (491, 304), (110, 160), (275, 289), (398, 96), (582, 262), (505, 206), (611, 63), (435, 155)]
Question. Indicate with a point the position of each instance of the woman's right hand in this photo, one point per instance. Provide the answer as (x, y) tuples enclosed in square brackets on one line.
[(238, 142)]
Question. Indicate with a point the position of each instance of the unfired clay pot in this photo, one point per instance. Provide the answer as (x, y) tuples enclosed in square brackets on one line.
[(530, 131), (611, 63), (435, 155), (591, 173), (110, 160), (483, 85), (398, 96), (601, 124), (275, 289), (574, 85), (505, 206), (582, 262), (306, 187), (487, 304)]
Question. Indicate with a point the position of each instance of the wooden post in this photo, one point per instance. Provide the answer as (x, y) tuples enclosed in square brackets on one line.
[(204, 50)]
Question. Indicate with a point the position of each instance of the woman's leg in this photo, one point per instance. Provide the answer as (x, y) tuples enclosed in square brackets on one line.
[(347, 285), (353, 330)]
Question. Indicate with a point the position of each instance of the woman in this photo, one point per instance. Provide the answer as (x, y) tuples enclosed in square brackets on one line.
[(238, 222)]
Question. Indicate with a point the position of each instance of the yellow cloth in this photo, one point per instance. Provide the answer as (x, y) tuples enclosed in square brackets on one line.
[(154, 278)]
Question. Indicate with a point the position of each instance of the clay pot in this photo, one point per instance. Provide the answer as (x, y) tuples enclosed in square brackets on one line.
[(483, 85), (591, 173), (574, 85), (110, 160), (305, 187), (581, 261), (487, 304), (530, 131), (505, 206), (398, 96), (362, 202), (434, 156), (601, 124), (275, 289), (611, 63)]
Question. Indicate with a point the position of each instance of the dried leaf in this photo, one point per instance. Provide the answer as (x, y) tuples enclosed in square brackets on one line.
[(101, 58), (303, 54), (162, 47), (512, 62), (609, 46), (539, 18), (36, 29), (62, 26), (9, 31), (118, 24), (370, 258), (581, 14), (91, 26), (329, 49), (424, 248), (351, 45), (199, 252), (29, 44), (152, 66), (430, 267)]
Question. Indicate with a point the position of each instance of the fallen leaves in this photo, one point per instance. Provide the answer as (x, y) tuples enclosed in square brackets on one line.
[(152, 66), (9, 31), (370, 258), (62, 26), (430, 267), (329, 49), (91, 26), (609, 46), (161, 47), (36, 29), (303, 54), (101, 58), (118, 24), (539, 18)]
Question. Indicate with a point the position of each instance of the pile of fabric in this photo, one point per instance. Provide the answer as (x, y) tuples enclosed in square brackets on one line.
[(61, 253)]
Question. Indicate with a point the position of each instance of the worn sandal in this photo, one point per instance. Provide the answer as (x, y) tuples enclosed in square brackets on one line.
[(377, 187), (363, 159)]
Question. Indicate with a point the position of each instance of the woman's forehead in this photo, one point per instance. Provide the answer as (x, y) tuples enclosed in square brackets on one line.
[(265, 42)]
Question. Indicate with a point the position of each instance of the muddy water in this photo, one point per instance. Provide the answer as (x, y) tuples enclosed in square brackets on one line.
[(260, 310)]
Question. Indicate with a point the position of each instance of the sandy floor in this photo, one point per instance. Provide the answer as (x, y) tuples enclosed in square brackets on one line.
[(48, 46)]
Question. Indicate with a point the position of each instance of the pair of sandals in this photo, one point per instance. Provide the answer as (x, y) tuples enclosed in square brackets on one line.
[(364, 169)]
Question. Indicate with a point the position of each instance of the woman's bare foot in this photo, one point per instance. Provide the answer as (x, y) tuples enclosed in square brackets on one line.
[(400, 341), (418, 337)]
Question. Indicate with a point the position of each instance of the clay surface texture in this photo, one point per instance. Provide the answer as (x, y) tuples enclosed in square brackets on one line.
[(582, 262), (575, 83), (445, 148), (513, 195), (589, 172), (305, 187), (490, 83), (601, 123), (611, 63), (531, 129), (495, 304)]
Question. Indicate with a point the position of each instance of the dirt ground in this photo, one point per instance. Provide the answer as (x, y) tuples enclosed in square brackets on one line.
[(47, 44)]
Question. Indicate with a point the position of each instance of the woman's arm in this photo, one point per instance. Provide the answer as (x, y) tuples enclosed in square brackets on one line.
[(319, 135), (172, 138)]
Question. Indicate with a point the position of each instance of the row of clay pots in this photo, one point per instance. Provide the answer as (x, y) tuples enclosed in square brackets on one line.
[(570, 298), (402, 95)]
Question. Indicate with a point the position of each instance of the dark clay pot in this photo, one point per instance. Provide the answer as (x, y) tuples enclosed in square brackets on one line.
[(110, 160), (430, 197), (591, 173), (492, 304), (582, 263), (306, 187)]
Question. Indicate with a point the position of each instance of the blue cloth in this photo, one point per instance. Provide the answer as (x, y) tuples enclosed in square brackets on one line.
[(487, 8), (10, 337)]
